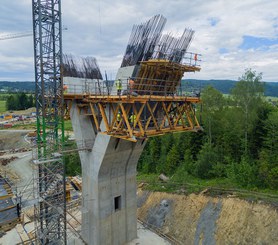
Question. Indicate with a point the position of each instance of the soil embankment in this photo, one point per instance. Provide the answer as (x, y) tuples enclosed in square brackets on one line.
[(13, 139), (199, 219)]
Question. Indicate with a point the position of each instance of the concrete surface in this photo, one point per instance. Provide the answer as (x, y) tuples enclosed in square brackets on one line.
[(156, 216), (206, 226), (147, 237), (108, 184)]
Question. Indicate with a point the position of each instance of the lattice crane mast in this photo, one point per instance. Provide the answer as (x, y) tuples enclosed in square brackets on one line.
[(16, 35), (50, 211)]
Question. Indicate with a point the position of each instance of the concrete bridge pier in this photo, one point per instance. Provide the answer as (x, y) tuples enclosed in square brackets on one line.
[(108, 184)]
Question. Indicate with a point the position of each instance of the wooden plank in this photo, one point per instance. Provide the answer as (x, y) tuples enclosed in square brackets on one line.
[(103, 116), (94, 116), (115, 116), (150, 118), (137, 120), (189, 117), (153, 117), (126, 120), (121, 124), (22, 234), (166, 110)]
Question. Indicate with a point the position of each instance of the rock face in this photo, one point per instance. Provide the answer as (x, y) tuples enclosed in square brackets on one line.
[(199, 219)]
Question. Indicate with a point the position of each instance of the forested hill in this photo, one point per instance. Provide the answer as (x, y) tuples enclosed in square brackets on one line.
[(225, 86), (238, 146), (6, 86)]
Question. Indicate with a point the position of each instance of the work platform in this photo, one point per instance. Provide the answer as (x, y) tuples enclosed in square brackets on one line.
[(153, 115), (146, 105)]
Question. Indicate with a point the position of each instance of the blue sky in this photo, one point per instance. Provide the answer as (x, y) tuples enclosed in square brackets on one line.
[(230, 35), (259, 43)]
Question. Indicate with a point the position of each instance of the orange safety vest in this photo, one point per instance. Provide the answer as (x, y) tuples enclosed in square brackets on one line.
[(195, 57)]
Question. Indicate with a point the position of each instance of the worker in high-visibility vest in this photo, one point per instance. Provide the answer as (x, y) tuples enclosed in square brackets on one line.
[(132, 119), (65, 89), (119, 117), (131, 85), (119, 86)]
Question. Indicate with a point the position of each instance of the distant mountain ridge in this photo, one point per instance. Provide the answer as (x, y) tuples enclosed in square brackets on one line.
[(224, 86), (25, 86)]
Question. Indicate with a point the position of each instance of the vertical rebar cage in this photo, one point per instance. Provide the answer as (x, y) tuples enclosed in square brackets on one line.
[(50, 210)]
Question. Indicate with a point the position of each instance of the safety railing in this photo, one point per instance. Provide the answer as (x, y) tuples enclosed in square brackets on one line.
[(178, 56), (133, 86)]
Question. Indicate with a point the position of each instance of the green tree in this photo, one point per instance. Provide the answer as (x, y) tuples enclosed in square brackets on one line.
[(19, 101), (213, 102), (268, 160), (270, 142), (30, 101), (244, 173), (144, 159), (206, 159), (73, 164), (259, 131), (247, 95), (152, 159), (172, 160), (167, 141), (23, 101), (11, 103)]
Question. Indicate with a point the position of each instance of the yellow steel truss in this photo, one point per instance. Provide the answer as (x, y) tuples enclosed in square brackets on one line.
[(131, 117)]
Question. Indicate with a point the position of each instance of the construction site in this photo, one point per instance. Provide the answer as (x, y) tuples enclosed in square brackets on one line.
[(112, 121)]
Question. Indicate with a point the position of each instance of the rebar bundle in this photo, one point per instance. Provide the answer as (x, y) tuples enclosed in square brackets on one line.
[(146, 42), (143, 40), (172, 48), (81, 67)]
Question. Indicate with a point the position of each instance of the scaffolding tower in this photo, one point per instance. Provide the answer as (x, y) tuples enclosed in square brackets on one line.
[(49, 189)]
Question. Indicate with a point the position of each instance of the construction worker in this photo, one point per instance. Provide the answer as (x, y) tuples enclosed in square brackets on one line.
[(119, 86), (132, 119), (118, 117), (131, 85), (196, 58), (65, 89)]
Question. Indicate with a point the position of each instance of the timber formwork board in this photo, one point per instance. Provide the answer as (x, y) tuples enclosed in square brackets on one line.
[(9, 216), (86, 98), (161, 76)]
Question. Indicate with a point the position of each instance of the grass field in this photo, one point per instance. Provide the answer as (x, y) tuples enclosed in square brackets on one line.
[(67, 125), (2, 106), (271, 98)]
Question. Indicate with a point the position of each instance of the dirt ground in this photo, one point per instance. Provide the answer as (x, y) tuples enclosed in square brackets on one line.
[(200, 219), (13, 139)]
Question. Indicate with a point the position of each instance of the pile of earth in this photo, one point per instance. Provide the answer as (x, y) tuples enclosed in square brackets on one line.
[(200, 219), (5, 161), (12, 139)]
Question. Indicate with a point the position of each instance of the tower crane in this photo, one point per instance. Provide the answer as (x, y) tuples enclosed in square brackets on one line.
[(21, 34), (16, 35), (50, 184)]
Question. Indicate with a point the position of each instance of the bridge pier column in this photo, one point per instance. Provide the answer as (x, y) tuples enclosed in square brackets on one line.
[(108, 184)]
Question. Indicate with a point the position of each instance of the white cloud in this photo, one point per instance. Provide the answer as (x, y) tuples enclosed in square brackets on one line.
[(102, 28)]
